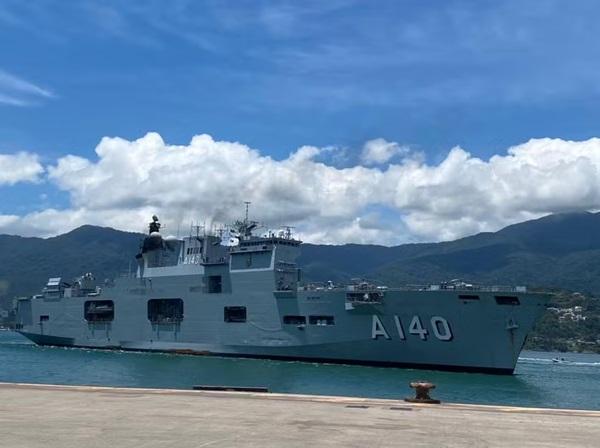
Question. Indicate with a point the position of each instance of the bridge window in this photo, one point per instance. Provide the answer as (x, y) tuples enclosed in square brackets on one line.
[(234, 314), (507, 300), (215, 284), (165, 311), (321, 320), (294, 320), (99, 311)]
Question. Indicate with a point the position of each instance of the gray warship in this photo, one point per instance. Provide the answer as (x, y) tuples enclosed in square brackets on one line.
[(240, 294)]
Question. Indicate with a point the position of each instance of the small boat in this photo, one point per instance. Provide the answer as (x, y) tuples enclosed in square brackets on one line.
[(559, 360)]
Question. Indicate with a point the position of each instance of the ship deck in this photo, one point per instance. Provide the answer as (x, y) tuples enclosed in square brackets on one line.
[(74, 416)]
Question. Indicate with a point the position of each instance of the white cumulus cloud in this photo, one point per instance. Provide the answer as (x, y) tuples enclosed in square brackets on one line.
[(19, 167), (379, 151), (409, 200)]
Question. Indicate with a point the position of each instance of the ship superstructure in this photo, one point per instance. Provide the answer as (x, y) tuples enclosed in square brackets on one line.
[(234, 293)]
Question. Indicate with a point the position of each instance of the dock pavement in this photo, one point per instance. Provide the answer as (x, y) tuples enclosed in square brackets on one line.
[(51, 416)]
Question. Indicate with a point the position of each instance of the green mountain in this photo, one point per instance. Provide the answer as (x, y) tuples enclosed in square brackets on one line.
[(558, 251), (27, 263)]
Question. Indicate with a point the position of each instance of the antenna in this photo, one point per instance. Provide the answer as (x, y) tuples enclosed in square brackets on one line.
[(247, 205), (288, 232)]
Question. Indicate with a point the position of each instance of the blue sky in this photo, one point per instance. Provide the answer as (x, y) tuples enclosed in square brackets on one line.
[(429, 75)]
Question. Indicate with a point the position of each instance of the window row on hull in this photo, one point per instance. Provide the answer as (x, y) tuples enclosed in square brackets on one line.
[(168, 311), (160, 311), (312, 320)]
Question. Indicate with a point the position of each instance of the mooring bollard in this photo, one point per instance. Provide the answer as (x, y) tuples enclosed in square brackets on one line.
[(422, 389)]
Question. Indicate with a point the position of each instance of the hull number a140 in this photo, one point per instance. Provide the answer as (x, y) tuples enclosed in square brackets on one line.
[(437, 326)]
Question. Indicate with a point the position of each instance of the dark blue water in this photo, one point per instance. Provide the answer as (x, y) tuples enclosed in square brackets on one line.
[(537, 382)]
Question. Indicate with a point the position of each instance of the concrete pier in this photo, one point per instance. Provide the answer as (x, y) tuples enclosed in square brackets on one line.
[(72, 416)]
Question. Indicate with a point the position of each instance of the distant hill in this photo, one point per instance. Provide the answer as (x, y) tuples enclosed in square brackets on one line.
[(558, 251), (27, 263)]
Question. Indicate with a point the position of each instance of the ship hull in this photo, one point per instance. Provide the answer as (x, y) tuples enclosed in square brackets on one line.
[(407, 328), (195, 350)]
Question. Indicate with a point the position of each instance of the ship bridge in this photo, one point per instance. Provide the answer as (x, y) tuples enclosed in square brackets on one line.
[(222, 257)]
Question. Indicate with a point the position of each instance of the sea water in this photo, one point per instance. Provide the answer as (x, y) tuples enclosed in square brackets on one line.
[(538, 380)]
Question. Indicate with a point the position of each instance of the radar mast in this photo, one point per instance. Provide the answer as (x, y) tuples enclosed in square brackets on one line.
[(244, 228)]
